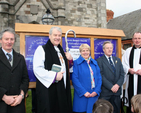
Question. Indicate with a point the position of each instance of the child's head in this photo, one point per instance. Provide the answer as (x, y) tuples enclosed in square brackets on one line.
[(102, 106), (136, 103)]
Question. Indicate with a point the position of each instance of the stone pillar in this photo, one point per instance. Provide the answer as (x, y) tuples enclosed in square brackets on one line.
[(101, 14), (7, 19), (58, 11), (4, 13), (61, 12), (11, 19)]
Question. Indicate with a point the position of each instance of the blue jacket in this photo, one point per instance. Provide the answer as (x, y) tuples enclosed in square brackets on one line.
[(81, 80)]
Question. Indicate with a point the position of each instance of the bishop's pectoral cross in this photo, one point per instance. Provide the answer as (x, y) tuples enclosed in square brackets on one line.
[(61, 59)]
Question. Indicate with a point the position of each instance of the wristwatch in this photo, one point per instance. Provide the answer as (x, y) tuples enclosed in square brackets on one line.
[(22, 95)]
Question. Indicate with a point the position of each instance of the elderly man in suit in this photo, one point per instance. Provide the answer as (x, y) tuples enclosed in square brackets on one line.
[(13, 75), (112, 76)]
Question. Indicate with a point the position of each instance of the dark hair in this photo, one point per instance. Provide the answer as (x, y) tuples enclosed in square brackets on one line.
[(102, 106)]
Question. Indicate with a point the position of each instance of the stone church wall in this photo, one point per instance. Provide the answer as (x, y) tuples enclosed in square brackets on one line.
[(83, 13)]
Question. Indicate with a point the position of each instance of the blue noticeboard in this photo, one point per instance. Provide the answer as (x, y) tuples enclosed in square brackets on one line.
[(73, 44), (98, 49), (32, 42)]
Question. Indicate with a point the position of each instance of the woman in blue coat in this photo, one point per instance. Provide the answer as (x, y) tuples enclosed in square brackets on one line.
[(86, 79)]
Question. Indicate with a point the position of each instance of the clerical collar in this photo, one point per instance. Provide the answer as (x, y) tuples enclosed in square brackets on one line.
[(57, 49), (135, 47)]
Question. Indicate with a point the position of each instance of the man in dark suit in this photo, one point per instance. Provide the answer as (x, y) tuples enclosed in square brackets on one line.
[(112, 76), (13, 75)]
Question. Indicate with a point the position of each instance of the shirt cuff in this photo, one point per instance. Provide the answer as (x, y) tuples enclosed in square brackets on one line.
[(70, 63)]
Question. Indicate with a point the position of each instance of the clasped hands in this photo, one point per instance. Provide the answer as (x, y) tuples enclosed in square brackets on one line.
[(115, 88), (12, 100), (132, 71), (87, 94)]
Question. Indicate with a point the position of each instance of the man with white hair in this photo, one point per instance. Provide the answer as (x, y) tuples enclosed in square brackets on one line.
[(52, 88)]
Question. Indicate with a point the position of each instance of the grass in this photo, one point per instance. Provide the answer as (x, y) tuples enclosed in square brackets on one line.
[(29, 101), (124, 108)]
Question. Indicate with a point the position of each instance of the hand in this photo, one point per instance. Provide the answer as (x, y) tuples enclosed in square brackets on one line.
[(138, 72), (9, 99), (115, 88), (17, 101), (68, 55), (59, 76), (93, 94), (132, 71), (87, 94)]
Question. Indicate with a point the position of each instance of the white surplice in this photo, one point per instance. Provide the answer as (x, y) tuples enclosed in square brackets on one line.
[(125, 62), (45, 76)]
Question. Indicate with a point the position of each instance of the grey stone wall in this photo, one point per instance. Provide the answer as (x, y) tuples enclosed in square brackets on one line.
[(81, 13), (101, 14), (85, 13)]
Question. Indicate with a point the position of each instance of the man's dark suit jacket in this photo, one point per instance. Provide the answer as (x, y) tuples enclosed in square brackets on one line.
[(12, 80), (108, 77)]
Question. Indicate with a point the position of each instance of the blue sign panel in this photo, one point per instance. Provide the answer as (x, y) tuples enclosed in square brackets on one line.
[(74, 44), (31, 44), (98, 50)]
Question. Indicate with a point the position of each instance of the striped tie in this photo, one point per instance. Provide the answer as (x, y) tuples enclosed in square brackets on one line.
[(112, 65), (10, 57)]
